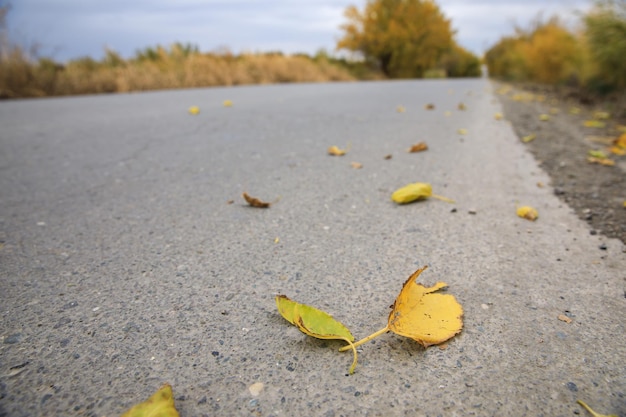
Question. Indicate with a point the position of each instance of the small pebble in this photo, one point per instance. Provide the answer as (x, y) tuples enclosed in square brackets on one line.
[(472, 211), (256, 388), (603, 246), (453, 210)]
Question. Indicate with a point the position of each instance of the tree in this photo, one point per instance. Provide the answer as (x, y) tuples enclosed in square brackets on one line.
[(403, 37)]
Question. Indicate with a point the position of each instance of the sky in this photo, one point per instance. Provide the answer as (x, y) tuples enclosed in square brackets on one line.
[(69, 29)]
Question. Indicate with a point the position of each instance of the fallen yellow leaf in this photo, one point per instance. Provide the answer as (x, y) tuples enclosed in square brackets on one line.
[(498, 116), (400, 109), (161, 404), (528, 213), (422, 314), (574, 110), (593, 413), (594, 123), (315, 323), (529, 138), (601, 115), (544, 117), (356, 165), (597, 154), (601, 161), (462, 131), (227, 103), (418, 147), (564, 318), (335, 151), (621, 141), (414, 192), (194, 110)]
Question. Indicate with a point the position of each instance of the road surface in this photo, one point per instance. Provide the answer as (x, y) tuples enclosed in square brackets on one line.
[(128, 258)]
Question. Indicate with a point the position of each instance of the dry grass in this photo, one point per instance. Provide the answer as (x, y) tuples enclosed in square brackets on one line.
[(22, 76)]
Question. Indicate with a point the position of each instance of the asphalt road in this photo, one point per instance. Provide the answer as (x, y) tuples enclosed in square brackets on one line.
[(123, 266)]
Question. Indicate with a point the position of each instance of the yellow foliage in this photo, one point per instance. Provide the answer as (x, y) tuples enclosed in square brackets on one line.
[(528, 213), (405, 38)]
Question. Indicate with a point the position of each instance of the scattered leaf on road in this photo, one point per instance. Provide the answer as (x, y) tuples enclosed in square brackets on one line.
[(597, 154), (528, 213), (574, 110), (356, 165), (335, 151), (529, 138), (601, 115), (194, 110), (255, 202), (601, 161), (418, 147), (564, 318), (315, 323), (422, 314), (617, 150), (462, 131), (594, 123), (461, 106), (621, 141), (227, 103), (400, 109), (429, 106), (161, 404), (414, 192), (544, 117), (498, 116)]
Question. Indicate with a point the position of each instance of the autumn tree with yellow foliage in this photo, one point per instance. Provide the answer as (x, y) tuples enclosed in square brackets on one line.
[(404, 38)]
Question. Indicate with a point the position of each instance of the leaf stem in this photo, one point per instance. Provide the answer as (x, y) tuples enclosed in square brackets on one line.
[(442, 198), (366, 339)]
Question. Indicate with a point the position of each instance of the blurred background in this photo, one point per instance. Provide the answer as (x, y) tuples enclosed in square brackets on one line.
[(54, 47)]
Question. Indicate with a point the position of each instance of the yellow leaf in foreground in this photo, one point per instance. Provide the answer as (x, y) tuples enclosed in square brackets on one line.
[(529, 138), (315, 323), (594, 123), (425, 316), (194, 110), (422, 314), (528, 213), (414, 192), (593, 413), (335, 151), (161, 404)]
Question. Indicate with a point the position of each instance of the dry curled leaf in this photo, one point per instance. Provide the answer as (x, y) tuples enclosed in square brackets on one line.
[(461, 106), (315, 323), (414, 192), (161, 404), (335, 151), (429, 106), (389, 156), (418, 147), (255, 202), (528, 213), (194, 110), (422, 314)]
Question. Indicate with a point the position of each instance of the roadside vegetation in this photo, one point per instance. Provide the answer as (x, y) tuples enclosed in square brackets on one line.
[(389, 39), (591, 58)]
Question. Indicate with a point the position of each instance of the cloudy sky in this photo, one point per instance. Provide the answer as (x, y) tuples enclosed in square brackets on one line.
[(67, 29)]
